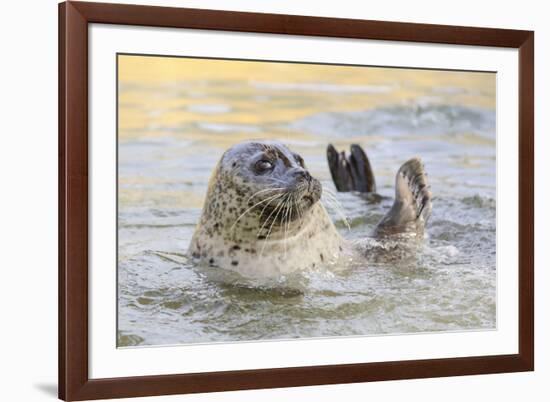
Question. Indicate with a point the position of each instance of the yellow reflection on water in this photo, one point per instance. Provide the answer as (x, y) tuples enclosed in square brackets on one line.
[(156, 93)]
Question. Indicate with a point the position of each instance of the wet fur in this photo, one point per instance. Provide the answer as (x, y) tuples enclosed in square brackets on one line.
[(261, 225), (260, 240), (412, 205)]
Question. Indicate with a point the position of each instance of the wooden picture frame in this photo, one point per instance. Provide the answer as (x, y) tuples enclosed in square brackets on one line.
[(74, 381)]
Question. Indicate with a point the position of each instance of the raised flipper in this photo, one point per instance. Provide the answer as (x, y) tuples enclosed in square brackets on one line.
[(412, 206), (352, 173)]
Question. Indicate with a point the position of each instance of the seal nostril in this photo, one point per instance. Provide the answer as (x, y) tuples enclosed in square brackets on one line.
[(304, 174)]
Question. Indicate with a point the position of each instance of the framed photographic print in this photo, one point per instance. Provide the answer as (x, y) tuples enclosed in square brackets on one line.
[(259, 200)]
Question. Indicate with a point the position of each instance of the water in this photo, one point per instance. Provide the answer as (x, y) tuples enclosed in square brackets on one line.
[(174, 127)]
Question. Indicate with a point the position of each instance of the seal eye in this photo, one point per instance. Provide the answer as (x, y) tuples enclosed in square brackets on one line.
[(263, 166), (299, 160)]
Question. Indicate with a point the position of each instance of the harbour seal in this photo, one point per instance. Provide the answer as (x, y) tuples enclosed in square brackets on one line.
[(262, 215)]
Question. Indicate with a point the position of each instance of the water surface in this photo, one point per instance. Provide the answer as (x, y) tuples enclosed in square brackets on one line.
[(176, 118)]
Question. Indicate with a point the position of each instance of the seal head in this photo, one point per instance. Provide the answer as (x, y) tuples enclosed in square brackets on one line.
[(262, 214)]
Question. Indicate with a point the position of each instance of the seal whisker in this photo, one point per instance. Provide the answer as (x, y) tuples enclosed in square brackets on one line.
[(270, 198), (267, 204), (288, 218), (285, 221), (272, 212), (278, 180), (336, 206), (300, 214), (263, 191), (329, 193), (279, 207)]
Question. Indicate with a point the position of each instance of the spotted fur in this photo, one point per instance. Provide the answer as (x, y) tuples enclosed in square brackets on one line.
[(237, 231), (264, 223)]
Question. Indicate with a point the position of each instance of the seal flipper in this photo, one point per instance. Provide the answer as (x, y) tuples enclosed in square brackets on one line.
[(412, 206), (353, 173), (361, 170), (339, 169)]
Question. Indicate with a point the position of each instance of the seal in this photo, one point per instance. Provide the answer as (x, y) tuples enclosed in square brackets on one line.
[(262, 216)]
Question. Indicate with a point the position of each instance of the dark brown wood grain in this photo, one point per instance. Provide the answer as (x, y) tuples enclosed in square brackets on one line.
[(526, 261), (73, 198), (298, 25), (74, 382)]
